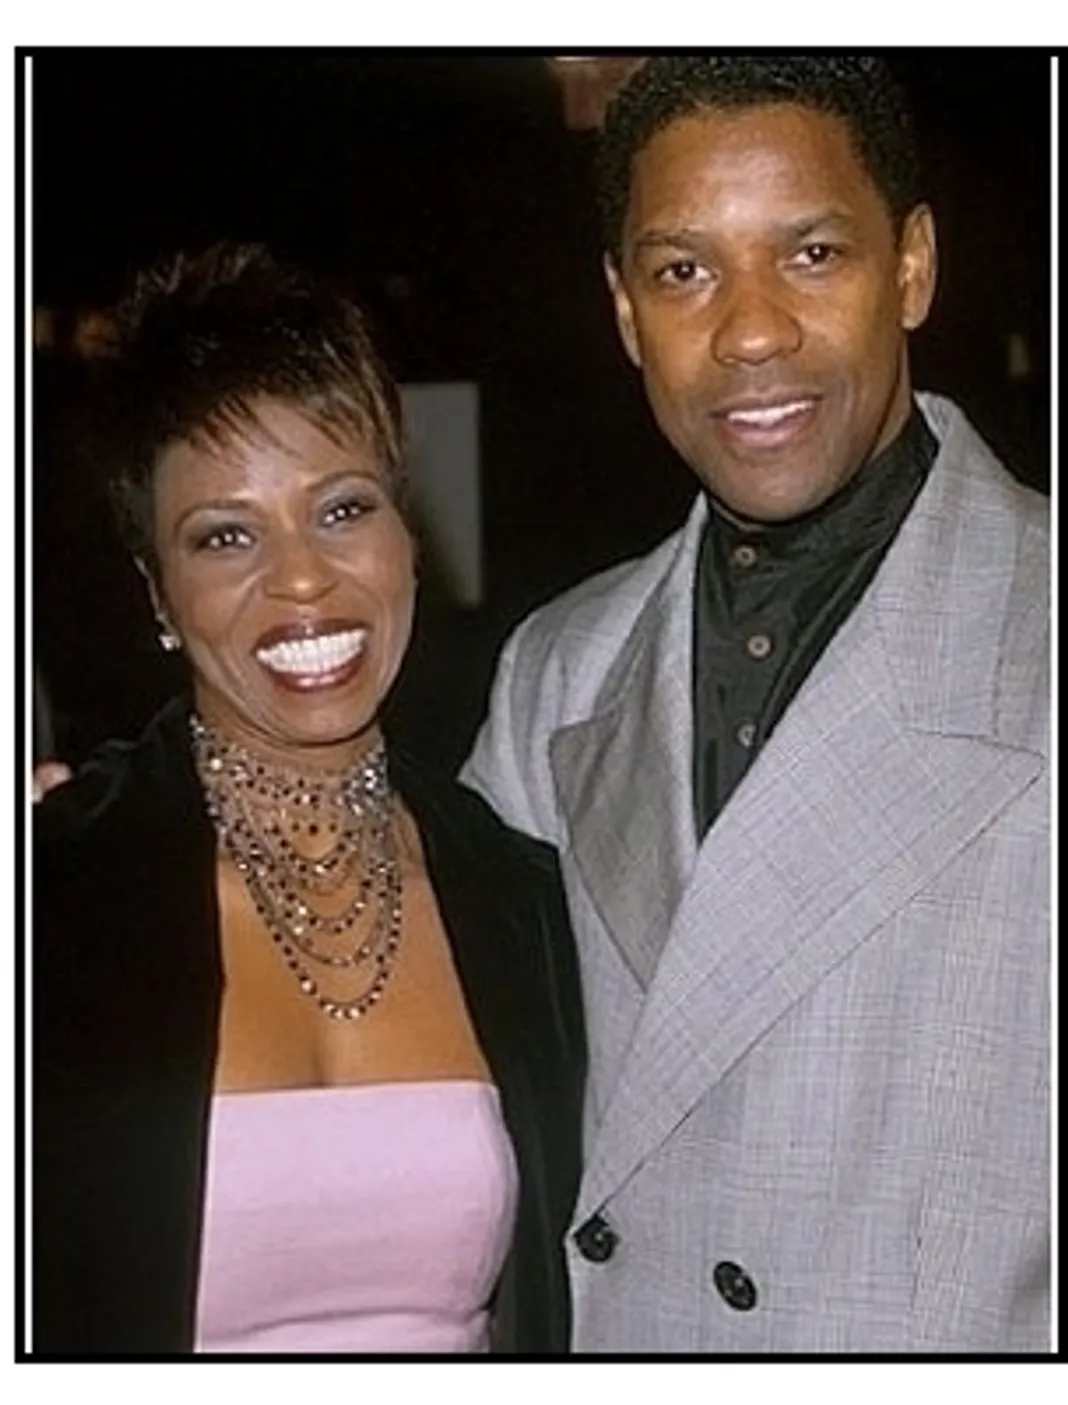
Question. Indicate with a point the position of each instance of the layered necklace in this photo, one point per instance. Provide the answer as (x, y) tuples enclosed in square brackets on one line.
[(301, 841)]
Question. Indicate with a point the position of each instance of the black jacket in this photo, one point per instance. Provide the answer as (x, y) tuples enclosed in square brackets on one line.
[(127, 981)]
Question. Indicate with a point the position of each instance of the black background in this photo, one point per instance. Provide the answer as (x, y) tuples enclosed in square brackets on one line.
[(448, 191)]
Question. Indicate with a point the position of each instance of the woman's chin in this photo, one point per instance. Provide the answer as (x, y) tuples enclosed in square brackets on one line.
[(308, 727)]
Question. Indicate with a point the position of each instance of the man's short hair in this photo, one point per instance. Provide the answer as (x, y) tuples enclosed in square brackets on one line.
[(862, 91)]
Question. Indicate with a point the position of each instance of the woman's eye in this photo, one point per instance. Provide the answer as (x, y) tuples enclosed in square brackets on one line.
[(348, 510), (223, 538)]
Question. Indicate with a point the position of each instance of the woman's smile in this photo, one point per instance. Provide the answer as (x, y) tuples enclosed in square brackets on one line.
[(287, 571), (310, 655)]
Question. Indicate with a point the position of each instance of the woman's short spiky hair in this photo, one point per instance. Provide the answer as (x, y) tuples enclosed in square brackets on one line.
[(201, 337), (862, 91)]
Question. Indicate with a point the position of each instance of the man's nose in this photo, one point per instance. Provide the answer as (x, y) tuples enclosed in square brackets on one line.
[(298, 569), (754, 324)]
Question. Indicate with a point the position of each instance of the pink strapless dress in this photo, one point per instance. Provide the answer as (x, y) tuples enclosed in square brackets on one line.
[(373, 1218)]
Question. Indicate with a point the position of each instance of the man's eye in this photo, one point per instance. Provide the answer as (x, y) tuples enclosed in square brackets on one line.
[(818, 255), (680, 272), (223, 538)]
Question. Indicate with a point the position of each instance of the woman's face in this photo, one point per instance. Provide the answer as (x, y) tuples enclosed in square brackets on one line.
[(288, 574)]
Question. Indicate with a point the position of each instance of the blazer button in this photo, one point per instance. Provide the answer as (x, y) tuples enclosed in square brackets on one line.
[(596, 1240), (734, 1286)]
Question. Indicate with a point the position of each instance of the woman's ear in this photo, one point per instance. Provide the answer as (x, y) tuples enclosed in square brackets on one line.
[(168, 638), (151, 586)]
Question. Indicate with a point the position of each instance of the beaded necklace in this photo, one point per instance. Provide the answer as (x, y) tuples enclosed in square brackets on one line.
[(299, 838)]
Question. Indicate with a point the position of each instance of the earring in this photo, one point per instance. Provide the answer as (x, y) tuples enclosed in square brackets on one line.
[(168, 641)]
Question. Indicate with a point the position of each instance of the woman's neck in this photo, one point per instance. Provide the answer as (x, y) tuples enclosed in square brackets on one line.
[(334, 758)]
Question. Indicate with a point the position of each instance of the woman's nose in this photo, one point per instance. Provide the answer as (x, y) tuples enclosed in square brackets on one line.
[(298, 569)]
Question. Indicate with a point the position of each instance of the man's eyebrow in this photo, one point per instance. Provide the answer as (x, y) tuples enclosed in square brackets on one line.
[(661, 238), (801, 228), (814, 224)]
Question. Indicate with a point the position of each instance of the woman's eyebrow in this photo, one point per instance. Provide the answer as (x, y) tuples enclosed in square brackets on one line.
[(212, 505)]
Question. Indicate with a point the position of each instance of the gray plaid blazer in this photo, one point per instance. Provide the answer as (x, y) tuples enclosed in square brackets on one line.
[(819, 1039)]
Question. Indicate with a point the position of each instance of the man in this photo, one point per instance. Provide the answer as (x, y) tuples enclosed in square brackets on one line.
[(795, 761)]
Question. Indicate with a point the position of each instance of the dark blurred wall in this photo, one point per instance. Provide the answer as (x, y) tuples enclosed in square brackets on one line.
[(447, 189)]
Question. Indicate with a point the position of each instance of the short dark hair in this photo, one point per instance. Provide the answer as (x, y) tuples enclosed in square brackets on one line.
[(862, 91), (200, 337)]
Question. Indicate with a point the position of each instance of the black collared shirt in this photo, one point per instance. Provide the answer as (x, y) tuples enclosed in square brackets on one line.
[(768, 601)]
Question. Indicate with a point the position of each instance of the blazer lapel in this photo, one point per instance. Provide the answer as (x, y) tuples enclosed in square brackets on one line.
[(622, 776), (876, 777)]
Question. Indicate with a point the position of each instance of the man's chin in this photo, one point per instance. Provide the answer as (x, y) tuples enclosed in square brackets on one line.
[(756, 495)]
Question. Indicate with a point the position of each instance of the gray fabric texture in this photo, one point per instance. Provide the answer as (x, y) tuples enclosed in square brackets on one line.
[(819, 1040)]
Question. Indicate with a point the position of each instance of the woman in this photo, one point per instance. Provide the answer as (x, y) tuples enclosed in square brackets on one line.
[(307, 1035)]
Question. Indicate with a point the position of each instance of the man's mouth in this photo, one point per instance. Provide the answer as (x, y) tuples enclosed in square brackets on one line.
[(766, 424), (768, 416)]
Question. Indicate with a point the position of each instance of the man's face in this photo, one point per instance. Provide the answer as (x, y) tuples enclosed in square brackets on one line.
[(765, 300)]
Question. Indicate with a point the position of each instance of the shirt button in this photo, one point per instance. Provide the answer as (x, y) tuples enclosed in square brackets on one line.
[(758, 646), (734, 1286), (744, 556), (745, 734), (596, 1240)]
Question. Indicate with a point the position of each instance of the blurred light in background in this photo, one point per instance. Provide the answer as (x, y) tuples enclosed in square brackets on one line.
[(588, 83), (442, 428)]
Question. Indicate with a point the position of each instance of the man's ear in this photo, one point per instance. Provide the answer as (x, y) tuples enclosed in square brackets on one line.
[(624, 310), (917, 268)]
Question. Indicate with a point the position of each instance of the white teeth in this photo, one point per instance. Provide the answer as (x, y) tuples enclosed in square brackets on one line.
[(772, 414), (322, 654)]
